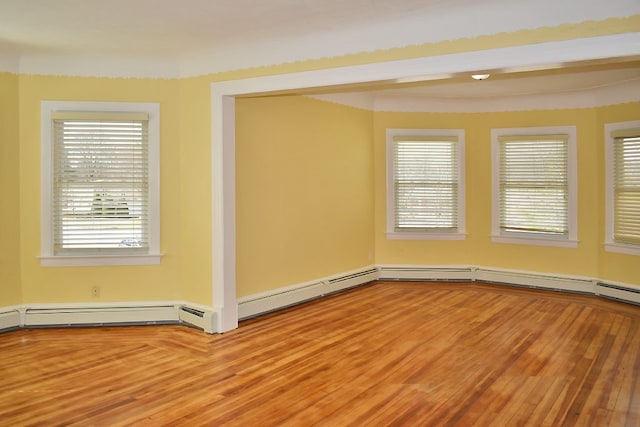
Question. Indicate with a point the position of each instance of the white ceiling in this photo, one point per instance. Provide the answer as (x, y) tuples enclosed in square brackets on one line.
[(234, 34), (184, 27)]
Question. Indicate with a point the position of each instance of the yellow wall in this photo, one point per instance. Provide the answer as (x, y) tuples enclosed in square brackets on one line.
[(588, 259), (121, 283), (304, 191), (195, 190), (10, 290)]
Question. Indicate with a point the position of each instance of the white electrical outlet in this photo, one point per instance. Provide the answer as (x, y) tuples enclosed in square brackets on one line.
[(95, 291)]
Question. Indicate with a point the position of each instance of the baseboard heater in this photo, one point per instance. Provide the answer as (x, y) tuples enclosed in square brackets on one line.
[(536, 280), (9, 320), (350, 280), (277, 299), (202, 319), (417, 273), (99, 316), (573, 284), (618, 292)]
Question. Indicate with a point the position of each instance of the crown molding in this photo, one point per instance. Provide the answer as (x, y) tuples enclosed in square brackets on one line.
[(96, 66)]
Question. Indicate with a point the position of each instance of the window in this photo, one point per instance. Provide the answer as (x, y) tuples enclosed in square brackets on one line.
[(623, 187), (100, 183), (534, 186), (425, 184)]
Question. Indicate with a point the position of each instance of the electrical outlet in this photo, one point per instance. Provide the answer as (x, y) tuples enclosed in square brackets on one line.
[(95, 291)]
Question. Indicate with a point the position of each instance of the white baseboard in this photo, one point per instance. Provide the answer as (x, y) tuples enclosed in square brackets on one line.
[(204, 317), (10, 318), (103, 314), (556, 282), (426, 273), (276, 299), (624, 292), (99, 315), (619, 291)]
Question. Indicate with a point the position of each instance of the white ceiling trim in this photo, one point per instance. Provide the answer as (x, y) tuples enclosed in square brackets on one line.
[(98, 66)]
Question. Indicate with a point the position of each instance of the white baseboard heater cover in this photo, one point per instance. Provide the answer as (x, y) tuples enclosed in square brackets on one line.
[(203, 319), (261, 303), (576, 284), (9, 320), (90, 316), (427, 273), (536, 280), (347, 281), (278, 300), (618, 292)]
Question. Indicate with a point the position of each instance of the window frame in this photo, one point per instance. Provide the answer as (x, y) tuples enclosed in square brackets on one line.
[(533, 238), (47, 257), (391, 233), (610, 244)]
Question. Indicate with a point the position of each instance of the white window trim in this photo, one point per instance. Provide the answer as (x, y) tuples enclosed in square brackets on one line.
[(425, 235), (609, 244), (47, 256), (571, 241)]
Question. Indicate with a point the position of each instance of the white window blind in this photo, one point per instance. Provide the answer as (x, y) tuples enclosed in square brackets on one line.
[(101, 182), (426, 184), (626, 192), (533, 185)]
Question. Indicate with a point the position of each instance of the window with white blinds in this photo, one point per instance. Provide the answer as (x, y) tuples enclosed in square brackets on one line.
[(623, 187), (103, 181), (425, 185), (626, 172), (533, 176), (101, 170)]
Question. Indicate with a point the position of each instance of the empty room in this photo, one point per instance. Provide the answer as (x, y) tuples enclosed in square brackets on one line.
[(332, 212)]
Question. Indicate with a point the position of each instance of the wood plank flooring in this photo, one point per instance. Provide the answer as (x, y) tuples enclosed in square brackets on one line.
[(389, 353)]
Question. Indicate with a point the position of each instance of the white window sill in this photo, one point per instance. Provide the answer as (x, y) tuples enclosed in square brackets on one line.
[(622, 248), (99, 260), (425, 236), (536, 241)]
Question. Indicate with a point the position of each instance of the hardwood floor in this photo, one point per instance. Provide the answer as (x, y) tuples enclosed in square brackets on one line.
[(389, 353)]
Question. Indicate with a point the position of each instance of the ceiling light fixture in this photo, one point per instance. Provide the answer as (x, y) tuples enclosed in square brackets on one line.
[(480, 76)]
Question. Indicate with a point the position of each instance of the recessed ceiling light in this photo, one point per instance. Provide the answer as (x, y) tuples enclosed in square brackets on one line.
[(480, 76)]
